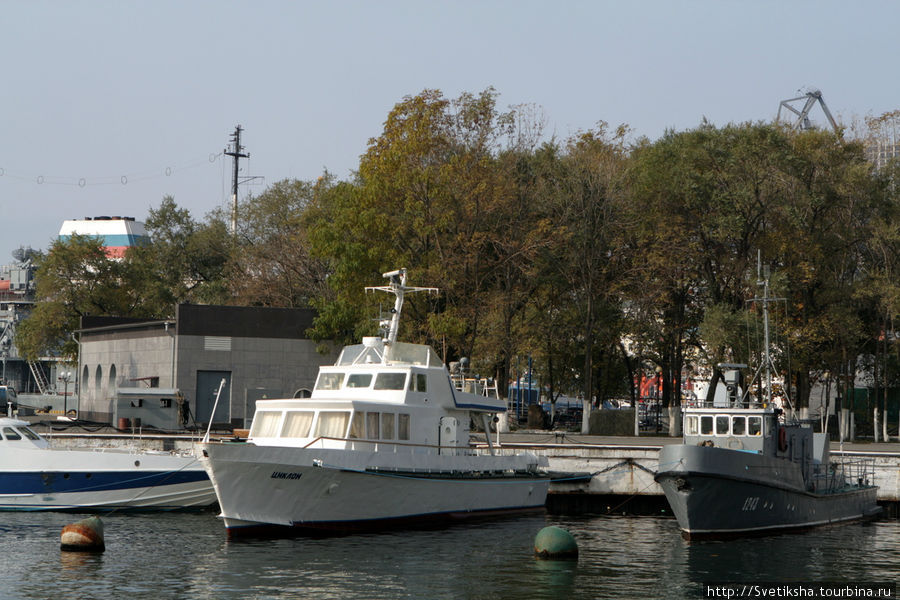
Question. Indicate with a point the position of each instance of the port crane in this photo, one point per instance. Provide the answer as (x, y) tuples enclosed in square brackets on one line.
[(810, 98)]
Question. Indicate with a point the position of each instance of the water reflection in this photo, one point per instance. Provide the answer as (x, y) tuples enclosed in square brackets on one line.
[(188, 556)]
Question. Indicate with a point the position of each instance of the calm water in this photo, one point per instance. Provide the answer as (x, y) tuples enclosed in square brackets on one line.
[(188, 556)]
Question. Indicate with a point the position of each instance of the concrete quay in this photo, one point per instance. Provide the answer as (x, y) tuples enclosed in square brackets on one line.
[(621, 470)]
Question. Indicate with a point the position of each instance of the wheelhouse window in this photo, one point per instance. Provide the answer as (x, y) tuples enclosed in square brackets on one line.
[(359, 380), (330, 381), (739, 425), (706, 425), (29, 434), (390, 381), (265, 424), (690, 425), (332, 424), (722, 423), (754, 425), (297, 423), (417, 382), (11, 434)]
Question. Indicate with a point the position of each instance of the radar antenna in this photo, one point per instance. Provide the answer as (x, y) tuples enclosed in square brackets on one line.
[(397, 287)]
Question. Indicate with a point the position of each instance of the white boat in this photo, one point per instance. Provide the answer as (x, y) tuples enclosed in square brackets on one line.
[(382, 441), (35, 476)]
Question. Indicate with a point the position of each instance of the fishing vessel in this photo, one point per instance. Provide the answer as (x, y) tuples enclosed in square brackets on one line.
[(382, 441), (35, 476), (744, 468)]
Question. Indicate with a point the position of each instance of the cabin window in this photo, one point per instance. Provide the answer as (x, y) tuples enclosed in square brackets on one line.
[(372, 425), (722, 423), (11, 434), (265, 424), (332, 424), (403, 427), (330, 381), (706, 425), (359, 380), (358, 425), (387, 426), (390, 381), (739, 425), (417, 382), (690, 425), (754, 425), (297, 423), (29, 434)]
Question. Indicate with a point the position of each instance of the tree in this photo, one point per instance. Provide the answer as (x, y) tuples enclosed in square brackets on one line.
[(273, 266), (584, 192), (186, 261), (74, 279)]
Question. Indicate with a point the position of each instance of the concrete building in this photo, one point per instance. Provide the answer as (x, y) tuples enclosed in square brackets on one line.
[(167, 373)]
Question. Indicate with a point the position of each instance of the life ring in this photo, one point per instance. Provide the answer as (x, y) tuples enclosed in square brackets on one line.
[(782, 439)]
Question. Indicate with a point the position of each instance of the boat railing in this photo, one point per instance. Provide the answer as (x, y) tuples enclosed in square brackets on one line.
[(843, 472), (480, 386), (393, 446), (702, 403)]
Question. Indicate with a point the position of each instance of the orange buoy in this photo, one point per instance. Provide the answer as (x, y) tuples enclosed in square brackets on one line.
[(83, 536)]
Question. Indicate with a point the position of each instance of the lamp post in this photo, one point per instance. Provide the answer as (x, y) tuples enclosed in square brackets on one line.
[(65, 377)]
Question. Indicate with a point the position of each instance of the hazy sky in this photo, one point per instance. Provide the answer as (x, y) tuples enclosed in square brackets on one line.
[(108, 106)]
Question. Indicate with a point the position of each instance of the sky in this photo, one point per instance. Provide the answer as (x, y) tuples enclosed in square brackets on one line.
[(106, 107)]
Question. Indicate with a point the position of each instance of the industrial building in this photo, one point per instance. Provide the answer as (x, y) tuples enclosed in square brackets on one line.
[(166, 374)]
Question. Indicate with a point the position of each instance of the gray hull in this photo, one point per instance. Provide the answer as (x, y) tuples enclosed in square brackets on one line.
[(718, 492)]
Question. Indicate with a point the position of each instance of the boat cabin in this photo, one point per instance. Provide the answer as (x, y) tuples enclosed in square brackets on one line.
[(16, 433), (376, 394)]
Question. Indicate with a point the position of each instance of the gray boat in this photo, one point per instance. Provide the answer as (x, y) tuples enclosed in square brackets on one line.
[(745, 469)]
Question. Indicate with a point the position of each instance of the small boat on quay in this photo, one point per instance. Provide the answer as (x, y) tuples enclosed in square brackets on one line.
[(382, 441), (745, 469), (35, 476)]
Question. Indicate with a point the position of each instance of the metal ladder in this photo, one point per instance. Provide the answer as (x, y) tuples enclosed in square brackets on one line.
[(42, 383)]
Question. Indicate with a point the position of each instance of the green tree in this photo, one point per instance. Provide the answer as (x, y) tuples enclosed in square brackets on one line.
[(74, 279), (186, 261)]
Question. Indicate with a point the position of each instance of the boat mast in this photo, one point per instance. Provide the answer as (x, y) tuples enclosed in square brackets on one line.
[(397, 287), (762, 279), (765, 306)]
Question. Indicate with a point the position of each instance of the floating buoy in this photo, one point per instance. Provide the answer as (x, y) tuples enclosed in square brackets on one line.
[(83, 536), (555, 543)]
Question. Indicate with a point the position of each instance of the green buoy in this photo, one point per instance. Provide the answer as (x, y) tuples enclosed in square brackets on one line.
[(555, 543)]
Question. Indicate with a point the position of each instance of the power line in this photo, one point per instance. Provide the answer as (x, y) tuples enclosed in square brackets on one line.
[(41, 178)]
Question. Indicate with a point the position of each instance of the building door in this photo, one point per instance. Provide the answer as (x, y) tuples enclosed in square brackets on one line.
[(207, 386)]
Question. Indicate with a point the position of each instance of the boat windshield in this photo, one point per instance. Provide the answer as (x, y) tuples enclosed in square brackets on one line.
[(29, 433)]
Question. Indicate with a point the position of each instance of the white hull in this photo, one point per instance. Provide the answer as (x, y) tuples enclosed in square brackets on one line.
[(306, 488), (35, 479)]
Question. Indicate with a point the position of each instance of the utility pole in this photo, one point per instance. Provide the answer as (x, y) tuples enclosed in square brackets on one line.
[(236, 152)]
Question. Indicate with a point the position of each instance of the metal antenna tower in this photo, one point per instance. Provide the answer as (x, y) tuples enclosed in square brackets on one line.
[(810, 98)]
